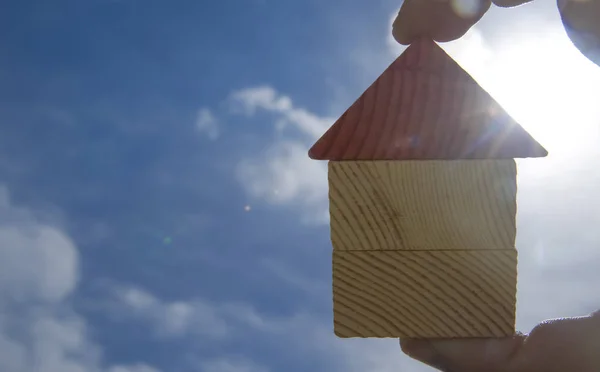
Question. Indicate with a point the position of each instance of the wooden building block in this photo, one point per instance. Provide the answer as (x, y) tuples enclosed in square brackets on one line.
[(423, 205), (424, 294)]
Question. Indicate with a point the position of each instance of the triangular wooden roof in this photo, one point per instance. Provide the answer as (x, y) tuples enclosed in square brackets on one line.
[(425, 106)]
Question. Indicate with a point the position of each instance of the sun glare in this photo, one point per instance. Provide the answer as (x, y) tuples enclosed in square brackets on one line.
[(550, 89)]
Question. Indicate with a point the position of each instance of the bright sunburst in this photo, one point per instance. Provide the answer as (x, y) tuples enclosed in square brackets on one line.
[(544, 83), (552, 90)]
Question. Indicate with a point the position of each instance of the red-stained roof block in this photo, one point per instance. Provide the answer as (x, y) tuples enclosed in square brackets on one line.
[(425, 106)]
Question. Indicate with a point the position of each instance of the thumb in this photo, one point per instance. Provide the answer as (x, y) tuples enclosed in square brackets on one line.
[(465, 355), (566, 344)]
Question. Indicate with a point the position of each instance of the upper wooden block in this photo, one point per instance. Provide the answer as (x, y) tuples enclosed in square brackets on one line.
[(425, 106), (423, 205)]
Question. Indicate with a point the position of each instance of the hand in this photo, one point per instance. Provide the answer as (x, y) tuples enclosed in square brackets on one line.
[(560, 345), (447, 20), (441, 20)]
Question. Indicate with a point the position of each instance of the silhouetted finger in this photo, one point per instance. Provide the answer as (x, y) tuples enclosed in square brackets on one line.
[(441, 20), (464, 355), (509, 3)]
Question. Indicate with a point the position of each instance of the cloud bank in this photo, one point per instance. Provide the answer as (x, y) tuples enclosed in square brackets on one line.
[(39, 271)]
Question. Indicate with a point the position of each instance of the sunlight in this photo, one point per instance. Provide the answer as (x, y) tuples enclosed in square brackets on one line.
[(550, 89)]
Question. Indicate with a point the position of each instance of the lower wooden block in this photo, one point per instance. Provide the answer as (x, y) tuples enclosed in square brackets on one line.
[(424, 294)]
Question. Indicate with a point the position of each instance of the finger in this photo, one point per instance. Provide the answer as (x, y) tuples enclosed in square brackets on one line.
[(441, 20), (509, 3), (580, 21), (465, 355), (410, 22), (569, 344)]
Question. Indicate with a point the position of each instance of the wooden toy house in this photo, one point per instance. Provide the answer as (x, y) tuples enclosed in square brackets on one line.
[(422, 190)]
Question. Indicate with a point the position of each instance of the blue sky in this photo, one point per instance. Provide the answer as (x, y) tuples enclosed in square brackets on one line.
[(158, 211)]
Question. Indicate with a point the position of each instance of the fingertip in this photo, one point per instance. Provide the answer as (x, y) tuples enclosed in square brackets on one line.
[(463, 354), (421, 350), (509, 3), (408, 346), (402, 36), (401, 30), (446, 36)]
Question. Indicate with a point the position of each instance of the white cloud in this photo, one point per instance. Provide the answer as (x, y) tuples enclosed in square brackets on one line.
[(41, 259), (137, 299), (261, 97), (316, 338), (283, 174), (301, 334), (41, 340), (39, 267), (250, 100), (292, 277), (173, 319), (134, 368), (231, 364), (207, 124)]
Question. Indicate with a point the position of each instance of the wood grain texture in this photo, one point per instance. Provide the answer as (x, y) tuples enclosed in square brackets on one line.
[(423, 205), (443, 294), (425, 106)]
